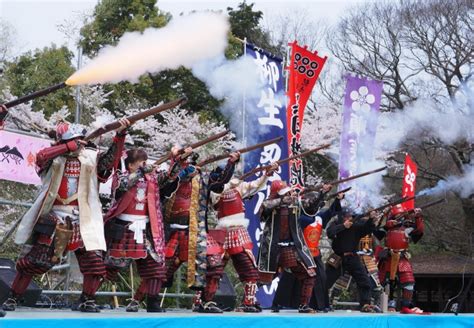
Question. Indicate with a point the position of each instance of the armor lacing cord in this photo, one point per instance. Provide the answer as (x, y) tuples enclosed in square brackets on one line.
[(307, 286), (197, 298), (212, 285), (250, 289), (302, 207)]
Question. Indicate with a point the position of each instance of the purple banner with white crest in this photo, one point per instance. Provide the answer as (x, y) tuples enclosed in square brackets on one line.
[(359, 124)]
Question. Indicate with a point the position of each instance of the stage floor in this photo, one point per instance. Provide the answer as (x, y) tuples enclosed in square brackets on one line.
[(41, 318)]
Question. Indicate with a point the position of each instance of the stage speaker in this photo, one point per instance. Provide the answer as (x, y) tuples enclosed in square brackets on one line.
[(7, 275), (225, 296)]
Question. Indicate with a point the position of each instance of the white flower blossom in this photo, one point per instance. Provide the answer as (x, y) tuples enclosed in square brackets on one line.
[(362, 99)]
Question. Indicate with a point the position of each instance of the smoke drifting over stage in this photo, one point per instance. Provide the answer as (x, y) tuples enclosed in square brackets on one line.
[(183, 42)]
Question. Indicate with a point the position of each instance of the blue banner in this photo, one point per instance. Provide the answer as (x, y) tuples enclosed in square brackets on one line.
[(265, 119)]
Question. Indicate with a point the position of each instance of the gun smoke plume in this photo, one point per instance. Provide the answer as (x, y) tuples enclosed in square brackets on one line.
[(184, 41)]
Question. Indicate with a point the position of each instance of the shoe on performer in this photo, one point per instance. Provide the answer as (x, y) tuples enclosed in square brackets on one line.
[(88, 305), (275, 308), (304, 308), (248, 309), (10, 304), (392, 306), (209, 307), (414, 310), (368, 308), (132, 306), (153, 304)]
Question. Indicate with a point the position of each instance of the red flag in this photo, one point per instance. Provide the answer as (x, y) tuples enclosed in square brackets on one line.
[(409, 180), (304, 70)]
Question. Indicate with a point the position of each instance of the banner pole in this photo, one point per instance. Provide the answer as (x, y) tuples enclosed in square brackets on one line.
[(244, 100), (285, 63)]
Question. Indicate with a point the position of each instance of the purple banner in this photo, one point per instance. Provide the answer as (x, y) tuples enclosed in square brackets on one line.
[(269, 122), (359, 124)]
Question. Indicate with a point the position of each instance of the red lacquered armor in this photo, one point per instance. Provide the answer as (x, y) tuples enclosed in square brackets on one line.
[(396, 239), (230, 203), (139, 203), (69, 182), (182, 201)]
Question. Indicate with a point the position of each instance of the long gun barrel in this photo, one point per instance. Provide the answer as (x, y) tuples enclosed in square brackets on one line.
[(303, 154), (352, 177), (34, 95), (136, 117), (396, 202), (336, 182), (193, 146), (435, 202), (334, 194), (243, 150)]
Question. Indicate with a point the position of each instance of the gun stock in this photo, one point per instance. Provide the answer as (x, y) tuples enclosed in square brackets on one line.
[(193, 146)]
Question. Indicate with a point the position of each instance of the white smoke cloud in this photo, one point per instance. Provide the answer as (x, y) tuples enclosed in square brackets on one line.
[(235, 81), (185, 41), (427, 119), (464, 185), (424, 118), (366, 191)]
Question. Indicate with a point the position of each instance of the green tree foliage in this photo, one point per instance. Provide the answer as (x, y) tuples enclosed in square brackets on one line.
[(244, 23), (111, 20), (40, 69)]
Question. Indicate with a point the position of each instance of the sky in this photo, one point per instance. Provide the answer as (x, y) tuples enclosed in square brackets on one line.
[(36, 22)]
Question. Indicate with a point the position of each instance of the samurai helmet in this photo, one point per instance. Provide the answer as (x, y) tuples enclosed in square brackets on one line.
[(67, 131), (278, 188), (397, 210)]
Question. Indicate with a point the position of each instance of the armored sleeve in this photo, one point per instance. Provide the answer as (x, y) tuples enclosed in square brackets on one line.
[(217, 181), (45, 156), (108, 161)]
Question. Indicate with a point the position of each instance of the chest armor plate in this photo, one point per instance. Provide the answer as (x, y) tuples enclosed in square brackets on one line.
[(69, 182), (182, 200), (138, 205), (230, 203), (396, 239)]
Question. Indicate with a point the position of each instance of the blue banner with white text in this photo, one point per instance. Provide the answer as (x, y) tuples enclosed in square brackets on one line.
[(265, 119)]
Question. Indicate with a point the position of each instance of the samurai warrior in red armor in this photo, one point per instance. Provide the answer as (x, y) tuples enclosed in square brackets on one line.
[(189, 240), (237, 243), (282, 244), (67, 215), (394, 259), (134, 224)]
